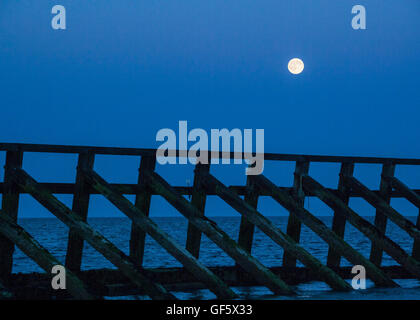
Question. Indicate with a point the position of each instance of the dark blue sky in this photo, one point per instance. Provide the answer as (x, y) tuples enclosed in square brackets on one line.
[(125, 69)]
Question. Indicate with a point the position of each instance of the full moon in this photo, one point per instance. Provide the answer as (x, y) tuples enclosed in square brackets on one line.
[(295, 66)]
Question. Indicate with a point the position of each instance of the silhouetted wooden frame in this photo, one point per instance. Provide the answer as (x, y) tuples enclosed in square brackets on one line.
[(17, 181)]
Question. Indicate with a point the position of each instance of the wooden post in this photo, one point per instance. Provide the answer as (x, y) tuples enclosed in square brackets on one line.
[(41, 256), (339, 221), (246, 229), (324, 232), (294, 225), (80, 207), (414, 198), (10, 204), (95, 239), (416, 244), (198, 200), (260, 273), (143, 199), (202, 273), (275, 233), (381, 205), (364, 226), (385, 191)]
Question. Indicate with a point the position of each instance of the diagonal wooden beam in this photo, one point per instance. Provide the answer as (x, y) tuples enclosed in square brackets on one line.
[(266, 226), (259, 272), (317, 226), (380, 204), (364, 226), (409, 194), (414, 198), (29, 246), (201, 272), (95, 239)]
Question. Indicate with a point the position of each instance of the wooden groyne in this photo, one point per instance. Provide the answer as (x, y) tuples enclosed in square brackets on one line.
[(130, 276)]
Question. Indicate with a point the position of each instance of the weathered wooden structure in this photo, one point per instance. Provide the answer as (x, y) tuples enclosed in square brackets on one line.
[(130, 277)]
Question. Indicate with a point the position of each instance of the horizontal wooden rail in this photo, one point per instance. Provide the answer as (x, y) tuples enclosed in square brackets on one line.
[(149, 152), (110, 282), (133, 189)]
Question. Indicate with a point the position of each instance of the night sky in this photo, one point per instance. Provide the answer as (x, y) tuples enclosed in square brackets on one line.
[(124, 69)]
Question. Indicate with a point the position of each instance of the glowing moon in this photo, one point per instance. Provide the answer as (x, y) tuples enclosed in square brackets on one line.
[(295, 66)]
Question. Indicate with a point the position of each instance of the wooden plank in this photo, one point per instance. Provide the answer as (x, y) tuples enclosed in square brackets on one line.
[(134, 189), (201, 272), (41, 256), (110, 282), (198, 200), (317, 226), (247, 228), (364, 226), (339, 221), (385, 190), (10, 204), (414, 198), (143, 199), (294, 224), (381, 205), (266, 226), (95, 239), (231, 155), (260, 273), (80, 207), (409, 194)]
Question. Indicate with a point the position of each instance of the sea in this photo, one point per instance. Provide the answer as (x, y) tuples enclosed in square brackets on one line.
[(52, 234)]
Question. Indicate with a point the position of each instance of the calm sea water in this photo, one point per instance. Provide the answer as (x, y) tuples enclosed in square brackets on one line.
[(52, 234)]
